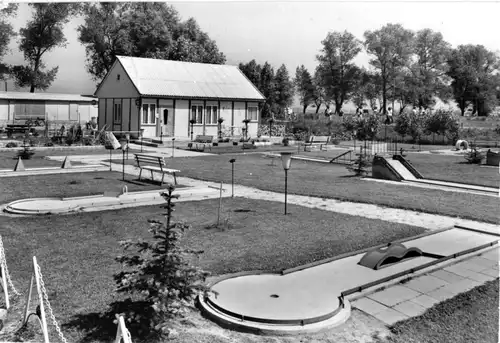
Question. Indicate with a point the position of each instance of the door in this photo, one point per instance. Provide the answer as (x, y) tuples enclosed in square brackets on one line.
[(167, 122)]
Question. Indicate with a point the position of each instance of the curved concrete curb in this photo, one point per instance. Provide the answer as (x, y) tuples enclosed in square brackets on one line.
[(335, 318)]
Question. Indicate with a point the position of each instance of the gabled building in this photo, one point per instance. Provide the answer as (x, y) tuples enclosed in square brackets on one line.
[(162, 97)]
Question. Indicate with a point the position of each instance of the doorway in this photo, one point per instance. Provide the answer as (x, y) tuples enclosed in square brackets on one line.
[(167, 122)]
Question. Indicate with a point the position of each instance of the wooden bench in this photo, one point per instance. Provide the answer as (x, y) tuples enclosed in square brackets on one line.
[(200, 142), (154, 163), (315, 141), (484, 144), (13, 128)]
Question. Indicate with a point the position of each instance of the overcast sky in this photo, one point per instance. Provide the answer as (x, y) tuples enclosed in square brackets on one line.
[(288, 32)]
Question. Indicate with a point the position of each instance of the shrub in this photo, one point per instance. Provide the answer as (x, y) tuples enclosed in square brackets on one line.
[(161, 275), (11, 145), (361, 166), (474, 156)]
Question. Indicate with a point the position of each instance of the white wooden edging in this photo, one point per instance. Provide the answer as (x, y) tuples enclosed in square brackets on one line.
[(122, 333), (3, 277), (43, 322)]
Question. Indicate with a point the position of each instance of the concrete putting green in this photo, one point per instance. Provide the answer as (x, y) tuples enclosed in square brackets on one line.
[(106, 201), (313, 298)]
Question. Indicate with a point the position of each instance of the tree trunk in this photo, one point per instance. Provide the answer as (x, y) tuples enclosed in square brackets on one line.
[(384, 96), (338, 107), (317, 108), (304, 109)]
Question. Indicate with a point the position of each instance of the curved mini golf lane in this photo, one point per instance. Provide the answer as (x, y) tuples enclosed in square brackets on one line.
[(43, 206), (310, 299)]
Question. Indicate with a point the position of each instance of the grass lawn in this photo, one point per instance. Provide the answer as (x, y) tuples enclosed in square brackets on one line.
[(336, 182), (435, 166), (453, 168), (76, 252), (68, 185), (469, 317)]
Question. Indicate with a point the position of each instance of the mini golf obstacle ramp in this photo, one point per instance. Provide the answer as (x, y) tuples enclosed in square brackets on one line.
[(385, 256), (400, 169), (313, 297), (108, 200)]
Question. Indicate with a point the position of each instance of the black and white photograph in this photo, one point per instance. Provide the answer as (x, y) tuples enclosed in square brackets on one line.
[(250, 171)]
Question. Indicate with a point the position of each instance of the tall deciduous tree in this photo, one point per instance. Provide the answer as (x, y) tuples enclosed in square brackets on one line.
[(430, 67), (284, 89), (267, 88), (336, 70), (6, 34), (151, 30), (319, 96), (391, 49), (304, 85), (43, 33), (252, 71), (473, 70)]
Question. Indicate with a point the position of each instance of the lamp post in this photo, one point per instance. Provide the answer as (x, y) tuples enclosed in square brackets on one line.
[(286, 160), (232, 176), (127, 136), (123, 143), (173, 146)]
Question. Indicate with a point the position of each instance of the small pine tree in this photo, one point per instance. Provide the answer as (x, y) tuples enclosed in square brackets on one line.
[(361, 166), (161, 275)]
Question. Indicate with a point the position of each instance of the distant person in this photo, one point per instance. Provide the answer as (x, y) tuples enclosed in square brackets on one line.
[(414, 111), (390, 120)]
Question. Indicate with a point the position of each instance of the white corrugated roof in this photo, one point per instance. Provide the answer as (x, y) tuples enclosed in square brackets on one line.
[(45, 96), (153, 77)]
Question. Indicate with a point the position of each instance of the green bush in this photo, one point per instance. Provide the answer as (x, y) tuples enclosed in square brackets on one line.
[(475, 156), (161, 275), (11, 145)]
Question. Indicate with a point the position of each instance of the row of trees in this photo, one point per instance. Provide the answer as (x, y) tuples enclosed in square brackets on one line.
[(411, 68), (152, 30)]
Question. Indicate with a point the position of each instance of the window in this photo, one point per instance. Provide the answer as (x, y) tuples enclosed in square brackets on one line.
[(197, 114), (211, 115), (117, 113), (149, 114), (253, 113)]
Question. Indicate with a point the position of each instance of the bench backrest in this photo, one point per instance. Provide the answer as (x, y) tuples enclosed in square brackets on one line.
[(149, 159), (319, 139), (204, 139)]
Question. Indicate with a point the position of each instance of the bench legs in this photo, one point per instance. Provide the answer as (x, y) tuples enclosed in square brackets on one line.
[(140, 172), (175, 179), (162, 177), (152, 178)]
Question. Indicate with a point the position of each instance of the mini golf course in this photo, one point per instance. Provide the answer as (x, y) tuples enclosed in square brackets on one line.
[(106, 201), (313, 297)]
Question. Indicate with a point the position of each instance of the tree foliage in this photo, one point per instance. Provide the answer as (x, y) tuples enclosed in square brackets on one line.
[(145, 29), (6, 34), (336, 72), (284, 89), (473, 69), (391, 50), (42, 34), (160, 274), (305, 87), (412, 124)]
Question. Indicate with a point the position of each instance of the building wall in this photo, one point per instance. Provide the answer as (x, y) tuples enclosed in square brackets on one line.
[(101, 117), (181, 112), (239, 116), (4, 112), (56, 112), (111, 87)]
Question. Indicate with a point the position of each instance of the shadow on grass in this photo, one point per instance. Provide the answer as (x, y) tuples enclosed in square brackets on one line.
[(102, 327)]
